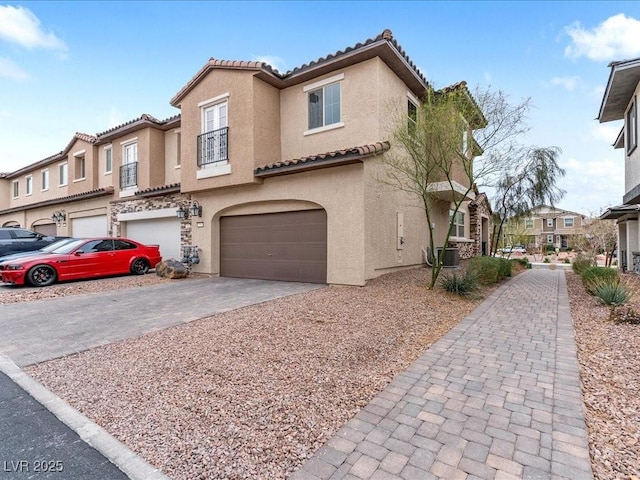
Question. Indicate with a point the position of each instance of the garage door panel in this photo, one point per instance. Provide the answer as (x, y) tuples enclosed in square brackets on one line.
[(290, 246), (95, 226), (158, 231)]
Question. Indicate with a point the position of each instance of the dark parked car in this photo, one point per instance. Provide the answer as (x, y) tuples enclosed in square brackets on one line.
[(14, 240), (83, 258), (48, 249)]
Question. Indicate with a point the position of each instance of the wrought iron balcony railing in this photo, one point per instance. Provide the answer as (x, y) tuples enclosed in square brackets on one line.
[(213, 147), (128, 175)]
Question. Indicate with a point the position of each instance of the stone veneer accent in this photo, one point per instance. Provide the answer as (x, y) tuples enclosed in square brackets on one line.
[(136, 204), (465, 249), (477, 209)]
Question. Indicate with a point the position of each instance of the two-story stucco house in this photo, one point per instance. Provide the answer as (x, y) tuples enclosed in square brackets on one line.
[(271, 175), (620, 102), (546, 225)]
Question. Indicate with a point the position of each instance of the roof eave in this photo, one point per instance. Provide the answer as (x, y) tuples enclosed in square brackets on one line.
[(622, 83)]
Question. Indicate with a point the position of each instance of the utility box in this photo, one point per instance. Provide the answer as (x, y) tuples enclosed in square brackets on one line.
[(451, 257)]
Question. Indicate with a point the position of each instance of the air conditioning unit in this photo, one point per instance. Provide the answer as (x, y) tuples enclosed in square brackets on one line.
[(451, 257)]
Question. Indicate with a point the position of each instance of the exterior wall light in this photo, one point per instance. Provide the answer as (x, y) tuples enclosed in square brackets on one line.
[(195, 210)]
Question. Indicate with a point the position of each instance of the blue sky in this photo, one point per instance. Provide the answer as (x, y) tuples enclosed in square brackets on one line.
[(88, 66)]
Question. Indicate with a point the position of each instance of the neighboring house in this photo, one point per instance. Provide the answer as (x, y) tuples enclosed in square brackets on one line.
[(274, 176), (620, 102), (546, 225), (125, 181)]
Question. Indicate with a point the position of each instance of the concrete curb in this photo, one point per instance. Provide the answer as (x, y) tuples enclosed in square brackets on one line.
[(93, 434)]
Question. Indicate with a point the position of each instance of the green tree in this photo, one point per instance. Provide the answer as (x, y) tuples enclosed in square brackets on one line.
[(531, 181)]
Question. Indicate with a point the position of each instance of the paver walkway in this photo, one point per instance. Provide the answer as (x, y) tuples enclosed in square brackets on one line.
[(497, 397)]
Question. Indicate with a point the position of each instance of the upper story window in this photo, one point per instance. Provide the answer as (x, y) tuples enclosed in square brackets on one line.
[(108, 159), (549, 238), (129, 167), (16, 188), (568, 222), (45, 179), (549, 222), (79, 168), (324, 103), (412, 115), (178, 147), (63, 171), (631, 126), (29, 185), (458, 223), (528, 223), (213, 143)]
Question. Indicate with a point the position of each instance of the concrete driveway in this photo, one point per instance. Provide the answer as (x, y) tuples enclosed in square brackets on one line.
[(34, 332)]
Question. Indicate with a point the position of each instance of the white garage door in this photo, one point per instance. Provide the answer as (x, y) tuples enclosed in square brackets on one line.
[(95, 226), (158, 231)]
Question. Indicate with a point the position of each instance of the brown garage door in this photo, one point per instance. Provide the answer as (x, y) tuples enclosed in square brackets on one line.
[(288, 246), (48, 229)]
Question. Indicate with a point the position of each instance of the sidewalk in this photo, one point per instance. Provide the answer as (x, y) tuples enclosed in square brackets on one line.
[(497, 397)]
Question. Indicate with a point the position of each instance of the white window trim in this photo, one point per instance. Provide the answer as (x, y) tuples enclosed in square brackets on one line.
[(130, 141), (28, 193), (59, 179), (573, 222), (324, 128), (48, 179), (322, 83), (213, 101), (79, 153), (84, 159), (549, 222), (108, 147), (631, 131), (13, 189), (413, 98), (549, 235), (213, 170)]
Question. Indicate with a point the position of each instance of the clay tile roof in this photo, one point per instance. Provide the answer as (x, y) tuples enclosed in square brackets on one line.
[(150, 192), (305, 71), (86, 137), (337, 157), (145, 117)]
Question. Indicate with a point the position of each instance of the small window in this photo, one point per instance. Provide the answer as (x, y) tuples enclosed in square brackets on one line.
[(412, 115), (16, 189), (458, 224), (45, 180), (63, 171), (631, 125), (528, 223), (29, 185), (108, 160), (549, 222), (178, 147), (324, 106), (568, 223), (549, 238), (79, 166)]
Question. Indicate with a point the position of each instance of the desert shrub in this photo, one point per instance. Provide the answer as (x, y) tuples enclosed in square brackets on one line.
[(581, 263), (610, 291), (593, 276), (462, 284), (549, 249), (566, 260), (490, 270), (524, 261), (546, 260)]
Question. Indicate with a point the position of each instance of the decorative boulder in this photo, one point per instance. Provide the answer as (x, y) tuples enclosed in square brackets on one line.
[(171, 269)]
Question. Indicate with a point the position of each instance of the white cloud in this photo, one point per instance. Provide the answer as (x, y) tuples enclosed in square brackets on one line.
[(616, 38), (605, 132), (8, 69), (19, 25), (276, 62), (569, 83)]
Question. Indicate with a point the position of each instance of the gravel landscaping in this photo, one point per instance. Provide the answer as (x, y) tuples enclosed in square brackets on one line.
[(253, 392), (609, 355)]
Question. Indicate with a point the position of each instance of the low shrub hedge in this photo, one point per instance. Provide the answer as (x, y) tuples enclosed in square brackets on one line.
[(593, 276), (581, 263), (490, 270)]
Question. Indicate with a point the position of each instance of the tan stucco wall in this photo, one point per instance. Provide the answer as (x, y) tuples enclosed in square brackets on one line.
[(239, 87), (26, 219), (78, 183), (152, 168), (171, 166), (106, 179), (338, 190), (266, 120), (361, 97)]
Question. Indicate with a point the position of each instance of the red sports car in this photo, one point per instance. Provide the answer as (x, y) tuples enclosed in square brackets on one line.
[(83, 258)]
